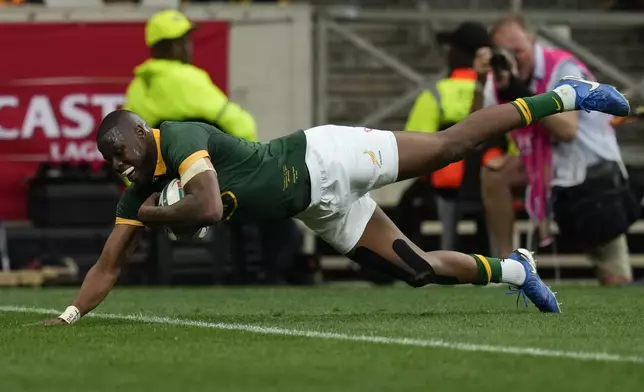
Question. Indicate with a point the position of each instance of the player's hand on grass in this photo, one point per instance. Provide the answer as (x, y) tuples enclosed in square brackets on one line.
[(54, 321)]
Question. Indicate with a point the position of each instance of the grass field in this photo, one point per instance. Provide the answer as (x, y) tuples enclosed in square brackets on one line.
[(325, 339)]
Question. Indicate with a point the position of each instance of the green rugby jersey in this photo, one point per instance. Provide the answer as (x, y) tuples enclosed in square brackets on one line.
[(258, 181)]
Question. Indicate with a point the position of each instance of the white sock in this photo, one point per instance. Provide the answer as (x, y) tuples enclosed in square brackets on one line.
[(567, 95), (512, 272)]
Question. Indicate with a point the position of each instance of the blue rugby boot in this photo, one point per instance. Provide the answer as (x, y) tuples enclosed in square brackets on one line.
[(581, 94), (533, 287)]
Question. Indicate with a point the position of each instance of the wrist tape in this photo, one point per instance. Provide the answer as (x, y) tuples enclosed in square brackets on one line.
[(70, 315)]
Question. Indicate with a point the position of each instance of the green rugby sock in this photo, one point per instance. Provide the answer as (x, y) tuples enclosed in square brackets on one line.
[(489, 269), (540, 106)]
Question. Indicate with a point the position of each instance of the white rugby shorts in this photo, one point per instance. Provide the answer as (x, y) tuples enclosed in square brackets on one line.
[(345, 163)]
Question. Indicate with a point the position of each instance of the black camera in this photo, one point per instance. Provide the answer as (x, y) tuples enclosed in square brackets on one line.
[(499, 61)]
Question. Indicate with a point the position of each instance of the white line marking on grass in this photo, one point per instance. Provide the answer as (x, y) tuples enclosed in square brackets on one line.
[(434, 343)]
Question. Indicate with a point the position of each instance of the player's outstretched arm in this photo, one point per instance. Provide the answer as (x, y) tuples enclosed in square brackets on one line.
[(201, 205), (103, 275)]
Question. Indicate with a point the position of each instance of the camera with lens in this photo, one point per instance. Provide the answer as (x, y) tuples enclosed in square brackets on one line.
[(499, 61), (502, 62)]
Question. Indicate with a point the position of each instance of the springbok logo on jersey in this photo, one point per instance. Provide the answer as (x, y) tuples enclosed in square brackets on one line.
[(372, 156)]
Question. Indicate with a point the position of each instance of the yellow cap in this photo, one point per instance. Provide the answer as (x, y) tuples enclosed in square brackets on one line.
[(168, 24)]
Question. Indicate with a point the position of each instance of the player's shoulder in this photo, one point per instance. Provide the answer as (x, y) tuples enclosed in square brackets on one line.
[(171, 130), (175, 134)]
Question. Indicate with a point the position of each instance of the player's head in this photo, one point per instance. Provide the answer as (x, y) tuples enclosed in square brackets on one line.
[(512, 34), (167, 34), (463, 43), (127, 143)]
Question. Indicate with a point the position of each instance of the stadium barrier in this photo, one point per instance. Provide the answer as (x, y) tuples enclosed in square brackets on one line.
[(522, 228)]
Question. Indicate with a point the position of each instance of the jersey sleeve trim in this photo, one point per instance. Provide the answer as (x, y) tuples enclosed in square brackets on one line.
[(191, 159), (199, 166), (131, 222), (160, 168)]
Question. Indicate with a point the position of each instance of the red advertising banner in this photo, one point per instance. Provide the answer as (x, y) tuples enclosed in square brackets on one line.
[(57, 81)]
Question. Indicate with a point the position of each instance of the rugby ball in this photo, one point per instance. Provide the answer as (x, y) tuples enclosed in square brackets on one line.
[(172, 193)]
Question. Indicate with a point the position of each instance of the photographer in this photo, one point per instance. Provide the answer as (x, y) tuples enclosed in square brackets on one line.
[(570, 162)]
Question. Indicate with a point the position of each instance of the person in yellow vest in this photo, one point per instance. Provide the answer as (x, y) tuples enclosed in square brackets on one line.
[(168, 87), (445, 104)]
